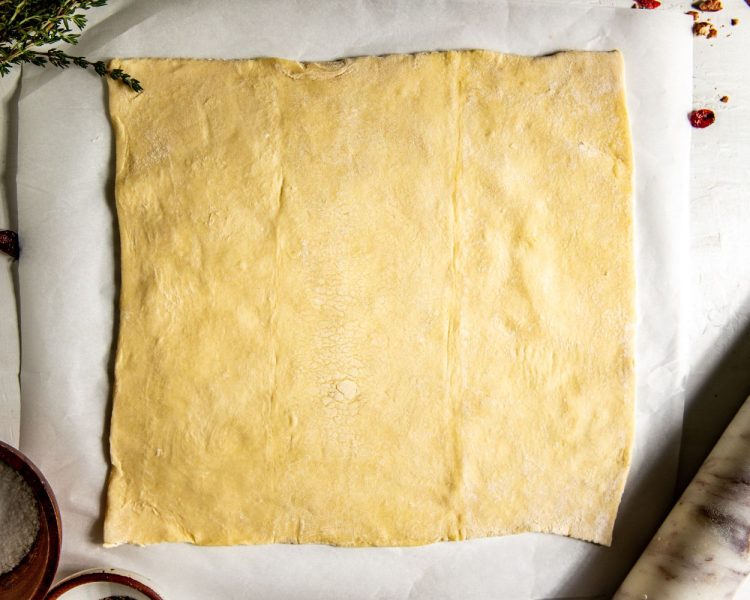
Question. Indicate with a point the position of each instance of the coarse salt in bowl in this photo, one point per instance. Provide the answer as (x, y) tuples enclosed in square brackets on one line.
[(32, 576)]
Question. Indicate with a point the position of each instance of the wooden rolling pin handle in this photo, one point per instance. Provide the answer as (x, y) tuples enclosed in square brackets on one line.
[(702, 550)]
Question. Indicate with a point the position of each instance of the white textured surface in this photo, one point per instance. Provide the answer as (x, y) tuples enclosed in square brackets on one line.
[(720, 245), (719, 318), (10, 395)]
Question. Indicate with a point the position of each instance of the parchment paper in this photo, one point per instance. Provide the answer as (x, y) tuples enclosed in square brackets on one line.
[(10, 392), (68, 286)]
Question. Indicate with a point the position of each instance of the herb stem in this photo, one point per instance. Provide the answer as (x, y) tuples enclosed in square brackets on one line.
[(29, 24)]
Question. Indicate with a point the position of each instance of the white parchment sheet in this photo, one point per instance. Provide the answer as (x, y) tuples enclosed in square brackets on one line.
[(68, 276), (10, 394)]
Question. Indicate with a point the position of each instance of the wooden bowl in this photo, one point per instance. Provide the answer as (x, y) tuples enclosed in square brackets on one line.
[(33, 576), (104, 583)]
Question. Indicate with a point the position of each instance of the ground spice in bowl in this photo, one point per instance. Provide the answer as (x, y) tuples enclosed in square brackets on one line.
[(19, 518)]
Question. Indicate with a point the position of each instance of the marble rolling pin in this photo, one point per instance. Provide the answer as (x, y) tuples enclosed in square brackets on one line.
[(702, 549)]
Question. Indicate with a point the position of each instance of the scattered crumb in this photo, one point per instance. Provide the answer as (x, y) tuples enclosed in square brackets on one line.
[(701, 28), (694, 14), (735, 22), (705, 29), (709, 5), (724, 99)]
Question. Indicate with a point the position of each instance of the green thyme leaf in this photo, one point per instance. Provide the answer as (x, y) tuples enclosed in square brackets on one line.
[(27, 27)]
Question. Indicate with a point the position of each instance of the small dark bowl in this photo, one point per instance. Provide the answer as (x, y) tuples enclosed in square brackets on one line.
[(32, 577)]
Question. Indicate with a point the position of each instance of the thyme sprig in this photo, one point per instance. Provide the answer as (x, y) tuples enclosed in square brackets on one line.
[(27, 27)]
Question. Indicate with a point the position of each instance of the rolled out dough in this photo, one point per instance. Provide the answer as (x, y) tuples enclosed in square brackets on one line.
[(378, 301)]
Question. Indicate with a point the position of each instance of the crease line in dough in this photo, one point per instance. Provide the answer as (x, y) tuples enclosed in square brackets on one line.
[(454, 316), (274, 298)]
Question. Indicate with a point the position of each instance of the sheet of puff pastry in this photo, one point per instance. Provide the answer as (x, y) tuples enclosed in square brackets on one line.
[(380, 301)]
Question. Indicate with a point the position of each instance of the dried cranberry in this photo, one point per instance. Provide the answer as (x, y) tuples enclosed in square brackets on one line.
[(648, 4), (702, 118), (9, 243)]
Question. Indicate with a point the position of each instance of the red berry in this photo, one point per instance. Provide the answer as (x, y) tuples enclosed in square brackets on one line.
[(9, 243), (702, 118)]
